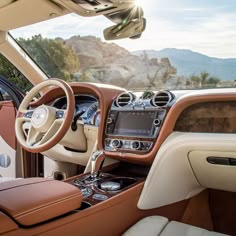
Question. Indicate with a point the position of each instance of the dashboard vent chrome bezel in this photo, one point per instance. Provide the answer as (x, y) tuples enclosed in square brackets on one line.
[(162, 94), (126, 97)]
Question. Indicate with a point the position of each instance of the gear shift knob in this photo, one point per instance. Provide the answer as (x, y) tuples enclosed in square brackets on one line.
[(96, 161)]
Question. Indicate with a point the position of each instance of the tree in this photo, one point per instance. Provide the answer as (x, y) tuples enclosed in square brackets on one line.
[(204, 78), (11, 73), (195, 80), (213, 81), (52, 55)]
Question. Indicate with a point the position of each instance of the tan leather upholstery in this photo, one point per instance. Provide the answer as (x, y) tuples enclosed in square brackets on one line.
[(157, 225), (6, 223), (34, 200)]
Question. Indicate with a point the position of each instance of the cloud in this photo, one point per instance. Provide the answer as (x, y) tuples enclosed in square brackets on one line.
[(201, 26)]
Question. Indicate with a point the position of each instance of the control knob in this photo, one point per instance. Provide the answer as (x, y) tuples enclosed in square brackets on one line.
[(109, 120), (116, 143), (136, 145), (157, 122)]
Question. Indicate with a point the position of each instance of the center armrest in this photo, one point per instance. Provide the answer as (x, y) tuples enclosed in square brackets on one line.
[(34, 200)]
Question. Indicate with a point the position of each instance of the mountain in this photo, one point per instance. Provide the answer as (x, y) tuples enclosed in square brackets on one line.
[(103, 62), (189, 63)]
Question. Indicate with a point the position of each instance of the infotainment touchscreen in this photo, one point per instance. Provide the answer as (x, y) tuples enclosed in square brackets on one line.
[(134, 123)]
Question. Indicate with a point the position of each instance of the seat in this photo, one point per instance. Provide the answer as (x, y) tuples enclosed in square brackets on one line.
[(158, 225)]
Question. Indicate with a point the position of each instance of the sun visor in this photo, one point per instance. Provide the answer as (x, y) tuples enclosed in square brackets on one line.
[(96, 7), (15, 14)]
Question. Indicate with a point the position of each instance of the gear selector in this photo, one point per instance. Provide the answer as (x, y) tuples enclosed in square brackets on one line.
[(96, 163)]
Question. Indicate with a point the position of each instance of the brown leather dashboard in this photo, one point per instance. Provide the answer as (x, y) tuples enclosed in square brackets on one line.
[(35, 200), (106, 95)]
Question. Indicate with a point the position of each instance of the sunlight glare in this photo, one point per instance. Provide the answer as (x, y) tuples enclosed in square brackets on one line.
[(138, 3)]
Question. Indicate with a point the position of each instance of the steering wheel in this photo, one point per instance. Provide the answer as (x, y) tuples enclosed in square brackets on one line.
[(46, 125)]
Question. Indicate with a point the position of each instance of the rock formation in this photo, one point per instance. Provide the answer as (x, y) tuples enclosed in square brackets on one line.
[(109, 63)]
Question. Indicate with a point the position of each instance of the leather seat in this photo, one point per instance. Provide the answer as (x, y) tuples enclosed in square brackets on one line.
[(158, 225)]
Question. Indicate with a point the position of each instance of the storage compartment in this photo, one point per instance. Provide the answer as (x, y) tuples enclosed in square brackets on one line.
[(45, 199), (214, 169), (116, 184)]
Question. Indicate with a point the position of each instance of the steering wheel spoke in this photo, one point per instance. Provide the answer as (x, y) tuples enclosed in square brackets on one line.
[(51, 131), (33, 137)]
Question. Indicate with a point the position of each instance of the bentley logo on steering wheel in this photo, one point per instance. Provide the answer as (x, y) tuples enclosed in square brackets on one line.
[(38, 115)]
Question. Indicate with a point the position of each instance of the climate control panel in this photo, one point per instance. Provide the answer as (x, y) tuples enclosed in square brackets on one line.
[(127, 145)]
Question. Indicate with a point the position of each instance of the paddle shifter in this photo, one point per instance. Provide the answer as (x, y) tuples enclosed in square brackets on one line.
[(96, 163)]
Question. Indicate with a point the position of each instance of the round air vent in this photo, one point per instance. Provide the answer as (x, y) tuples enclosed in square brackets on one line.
[(124, 99), (162, 98)]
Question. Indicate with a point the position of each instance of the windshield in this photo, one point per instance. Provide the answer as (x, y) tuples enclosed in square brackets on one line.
[(186, 45)]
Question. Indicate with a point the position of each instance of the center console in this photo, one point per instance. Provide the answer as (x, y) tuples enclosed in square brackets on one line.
[(133, 124), (102, 188), (97, 187)]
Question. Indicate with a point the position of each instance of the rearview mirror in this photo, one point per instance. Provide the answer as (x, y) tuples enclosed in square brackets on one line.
[(129, 24), (132, 29)]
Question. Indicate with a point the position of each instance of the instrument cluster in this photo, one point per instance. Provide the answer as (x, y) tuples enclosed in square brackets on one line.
[(86, 106)]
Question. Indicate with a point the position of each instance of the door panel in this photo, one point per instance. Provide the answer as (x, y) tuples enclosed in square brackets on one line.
[(7, 160), (7, 123), (7, 139)]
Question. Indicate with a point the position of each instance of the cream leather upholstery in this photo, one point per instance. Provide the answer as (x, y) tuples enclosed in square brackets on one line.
[(158, 225), (172, 178), (149, 226), (177, 229)]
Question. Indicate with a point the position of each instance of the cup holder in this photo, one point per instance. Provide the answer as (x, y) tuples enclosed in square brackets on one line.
[(116, 184)]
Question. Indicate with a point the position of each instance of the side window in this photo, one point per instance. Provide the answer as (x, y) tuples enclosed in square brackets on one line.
[(14, 76), (4, 96)]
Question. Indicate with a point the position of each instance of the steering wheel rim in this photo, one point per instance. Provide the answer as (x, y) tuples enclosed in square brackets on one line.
[(44, 123)]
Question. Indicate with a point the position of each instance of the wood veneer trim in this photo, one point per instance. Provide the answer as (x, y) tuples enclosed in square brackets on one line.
[(198, 212)]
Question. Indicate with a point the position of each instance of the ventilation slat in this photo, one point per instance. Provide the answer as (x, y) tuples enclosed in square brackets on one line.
[(124, 99), (162, 98)]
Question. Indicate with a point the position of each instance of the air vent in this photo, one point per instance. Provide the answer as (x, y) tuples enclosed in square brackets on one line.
[(124, 99), (162, 98)]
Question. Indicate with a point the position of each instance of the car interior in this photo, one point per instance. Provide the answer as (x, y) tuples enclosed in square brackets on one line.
[(87, 157)]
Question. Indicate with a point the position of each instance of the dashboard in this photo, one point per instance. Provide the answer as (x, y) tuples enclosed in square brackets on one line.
[(86, 107), (132, 126)]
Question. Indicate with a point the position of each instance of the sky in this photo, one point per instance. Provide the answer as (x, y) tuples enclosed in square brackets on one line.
[(204, 26)]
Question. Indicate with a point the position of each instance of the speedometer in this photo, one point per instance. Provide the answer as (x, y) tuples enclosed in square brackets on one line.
[(92, 111)]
